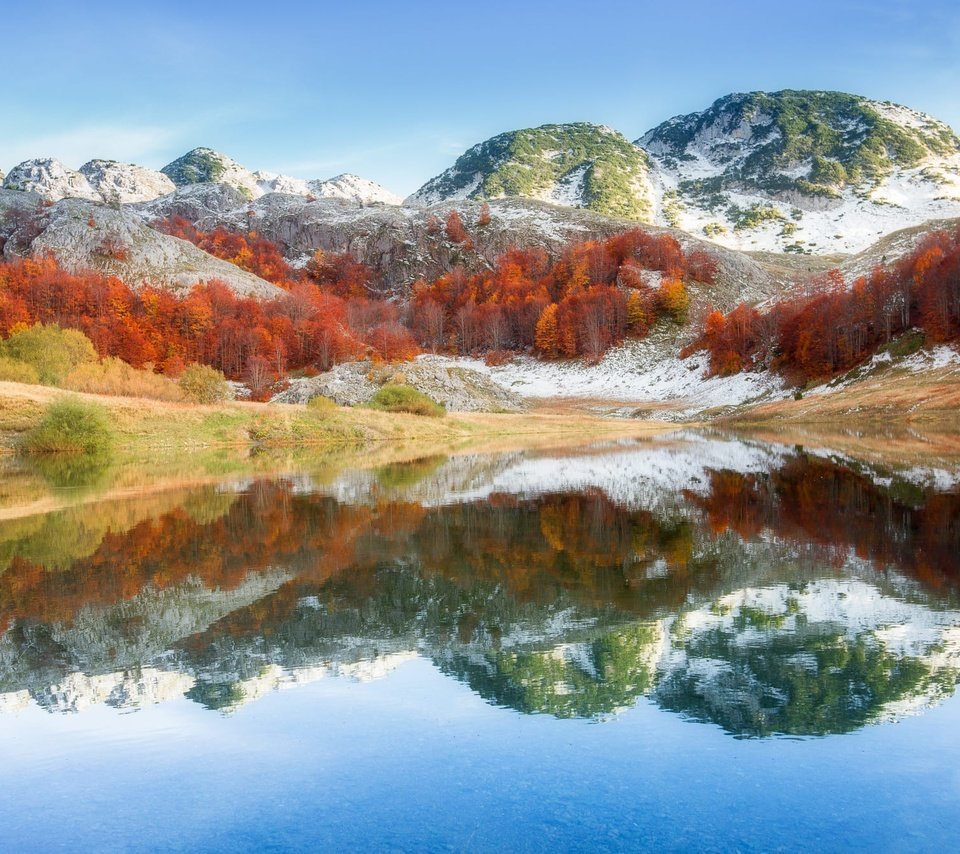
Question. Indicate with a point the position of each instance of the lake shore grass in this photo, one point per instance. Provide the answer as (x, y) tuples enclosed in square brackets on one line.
[(930, 399), (140, 425)]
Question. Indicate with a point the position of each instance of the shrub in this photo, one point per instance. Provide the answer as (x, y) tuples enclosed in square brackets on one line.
[(70, 427), (321, 404), (18, 372), (114, 376), (52, 351), (403, 398), (203, 384)]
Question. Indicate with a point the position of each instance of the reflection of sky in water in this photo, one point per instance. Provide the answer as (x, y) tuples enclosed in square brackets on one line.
[(418, 761), (751, 591)]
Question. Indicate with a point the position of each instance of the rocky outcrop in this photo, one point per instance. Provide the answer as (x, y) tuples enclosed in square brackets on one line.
[(85, 236), (458, 389), (401, 244), (353, 188), (125, 183), (51, 180)]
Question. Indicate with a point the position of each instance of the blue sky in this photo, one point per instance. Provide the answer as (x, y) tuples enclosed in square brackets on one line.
[(395, 91)]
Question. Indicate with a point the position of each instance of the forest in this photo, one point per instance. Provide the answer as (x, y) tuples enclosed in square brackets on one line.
[(589, 298), (834, 325)]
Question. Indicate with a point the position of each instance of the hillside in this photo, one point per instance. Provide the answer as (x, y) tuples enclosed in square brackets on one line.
[(575, 165), (806, 172), (402, 244), (82, 235)]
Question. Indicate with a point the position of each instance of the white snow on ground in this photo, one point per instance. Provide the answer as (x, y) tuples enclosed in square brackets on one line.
[(542, 222), (936, 358), (849, 224), (569, 190), (636, 371)]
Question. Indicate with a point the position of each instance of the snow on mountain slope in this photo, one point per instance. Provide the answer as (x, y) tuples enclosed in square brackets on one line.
[(271, 182), (124, 183), (51, 180), (204, 165), (804, 172), (354, 189)]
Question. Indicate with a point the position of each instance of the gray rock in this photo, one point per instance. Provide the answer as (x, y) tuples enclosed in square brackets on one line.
[(355, 383)]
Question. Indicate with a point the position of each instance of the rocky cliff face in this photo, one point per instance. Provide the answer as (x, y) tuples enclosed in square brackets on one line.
[(86, 236), (402, 244)]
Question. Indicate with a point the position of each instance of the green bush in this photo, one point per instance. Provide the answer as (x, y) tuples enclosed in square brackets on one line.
[(203, 384), (52, 351), (70, 427), (18, 372), (321, 404), (403, 398)]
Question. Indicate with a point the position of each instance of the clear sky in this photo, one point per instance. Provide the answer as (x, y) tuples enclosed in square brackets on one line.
[(395, 91)]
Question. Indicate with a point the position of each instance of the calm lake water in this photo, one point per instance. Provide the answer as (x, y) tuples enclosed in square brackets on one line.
[(700, 643)]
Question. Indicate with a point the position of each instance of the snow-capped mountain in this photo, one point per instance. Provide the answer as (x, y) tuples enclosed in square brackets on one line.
[(51, 180), (96, 181), (794, 171), (125, 183), (354, 189), (576, 165), (204, 165), (803, 171)]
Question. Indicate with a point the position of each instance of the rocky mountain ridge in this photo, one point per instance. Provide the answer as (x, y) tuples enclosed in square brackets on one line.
[(803, 172), (204, 165)]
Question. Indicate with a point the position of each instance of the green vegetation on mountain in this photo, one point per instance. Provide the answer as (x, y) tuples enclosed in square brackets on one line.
[(530, 162), (199, 166), (844, 140)]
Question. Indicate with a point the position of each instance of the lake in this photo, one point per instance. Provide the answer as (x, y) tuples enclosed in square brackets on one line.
[(699, 642)]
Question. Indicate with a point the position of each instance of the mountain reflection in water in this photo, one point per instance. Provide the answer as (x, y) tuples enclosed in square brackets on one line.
[(765, 591)]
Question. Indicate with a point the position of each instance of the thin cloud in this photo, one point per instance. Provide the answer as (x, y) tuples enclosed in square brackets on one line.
[(76, 146)]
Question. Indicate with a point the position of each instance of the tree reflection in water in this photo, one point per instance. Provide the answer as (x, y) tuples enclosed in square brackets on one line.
[(797, 597)]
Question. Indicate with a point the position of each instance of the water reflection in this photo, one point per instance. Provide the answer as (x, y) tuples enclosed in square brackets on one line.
[(735, 583)]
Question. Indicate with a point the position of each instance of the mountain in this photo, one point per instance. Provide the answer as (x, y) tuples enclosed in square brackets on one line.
[(83, 235), (125, 183), (801, 171), (577, 165), (51, 180), (96, 181), (794, 171), (206, 166), (401, 244), (354, 189)]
